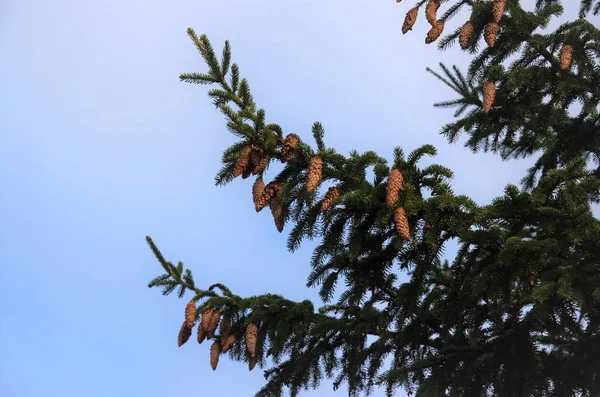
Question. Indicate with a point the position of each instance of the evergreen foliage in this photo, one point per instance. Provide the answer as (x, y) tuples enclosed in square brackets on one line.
[(516, 313)]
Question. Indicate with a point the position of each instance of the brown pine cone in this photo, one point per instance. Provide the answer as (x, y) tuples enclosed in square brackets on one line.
[(435, 32), (257, 189), (205, 319), (252, 363), (466, 34), (431, 11), (401, 220), (394, 186), (242, 162), (184, 334), (315, 173), (332, 194), (214, 355), (566, 57), (290, 143), (489, 95), (228, 341), (225, 325), (276, 206), (251, 333), (190, 313), (201, 333), (262, 164), (498, 9), (211, 327), (410, 19), (270, 191), (490, 33)]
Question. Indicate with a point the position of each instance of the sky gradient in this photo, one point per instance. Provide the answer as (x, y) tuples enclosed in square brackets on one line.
[(101, 145)]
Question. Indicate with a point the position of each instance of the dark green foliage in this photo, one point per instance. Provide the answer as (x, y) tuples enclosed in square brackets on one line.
[(517, 311)]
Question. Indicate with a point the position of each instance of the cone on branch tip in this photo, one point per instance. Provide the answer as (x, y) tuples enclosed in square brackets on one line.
[(489, 95), (490, 33), (184, 334), (315, 173), (431, 11), (435, 32), (252, 363), (214, 355), (498, 9), (190, 313), (410, 19), (227, 342), (270, 191), (467, 31), (211, 327), (242, 162), (257, 189), (566, 57), (394, 187), (332, 194), (401, 221), (276, 206), (290, 143), (251, 334)]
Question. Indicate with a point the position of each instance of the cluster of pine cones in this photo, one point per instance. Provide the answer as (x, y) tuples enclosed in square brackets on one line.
[(209, 322), (251, 161)]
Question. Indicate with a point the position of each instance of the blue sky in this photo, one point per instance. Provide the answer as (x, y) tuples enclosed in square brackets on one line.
[(100, 145)]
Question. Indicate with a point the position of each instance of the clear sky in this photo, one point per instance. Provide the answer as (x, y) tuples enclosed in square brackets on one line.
[(100, 145)]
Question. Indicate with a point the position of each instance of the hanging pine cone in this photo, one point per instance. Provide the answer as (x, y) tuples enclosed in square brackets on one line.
[(184, 334), (225, 325), (410, 19), (211, 327), (276, 206), (242, 162), (431, 11), (214, 355), (270, 191), (290, 143), (490, 33), (205, 319), (466, 34), (252, 363), (394, 186), (190, 314), (498, 9), (489, 95), (435, 32), (228, 341), (200, 333), (257, 189), (315, 173), (401, 220), (256, 155), (251, 333), (566, 57), (262, 164), (332, 194)]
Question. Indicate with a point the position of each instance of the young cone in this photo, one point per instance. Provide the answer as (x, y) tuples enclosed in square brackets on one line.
[(184, 334), (490, 33), (566, 57), (242, 162), (228, 341), (466, 34), (431, 11), (435, 32), (498, 9), (401, 221), (251, 333), (290, 143), (211, 327), (489, 95), (214, 355), (410, 19), (257, 189), (267, 195), (315, 173), (190, 314), (252, 363), (332, 194), (394, 186), (276, 206)]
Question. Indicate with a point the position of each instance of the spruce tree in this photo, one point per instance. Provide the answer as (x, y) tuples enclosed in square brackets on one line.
[(515, 313)]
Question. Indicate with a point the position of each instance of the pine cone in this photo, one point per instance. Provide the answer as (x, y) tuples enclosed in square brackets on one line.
[(242, 162), (566, 57), (332, 194), (490, 33), (190, 314), (498, 9), (251, 333), (434, 32), (211, 327), (201, 333), (205, 319), (276, 206), (466, 34), (252, 363), (431, 11), (228, 341), (315, 173), (214, 355), (262, 164), (290, 143), (270, 191), (184, 334), (401, 220), (489, 95), (410, 19), (394, 186), (257, 189), (225, 325)]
